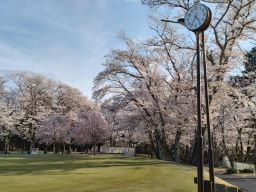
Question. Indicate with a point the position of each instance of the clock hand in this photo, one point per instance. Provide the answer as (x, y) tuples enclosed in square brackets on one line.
[(197, 18), (193, 19)]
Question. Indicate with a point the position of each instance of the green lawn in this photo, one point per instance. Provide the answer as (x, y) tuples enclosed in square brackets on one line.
[(102, 173)]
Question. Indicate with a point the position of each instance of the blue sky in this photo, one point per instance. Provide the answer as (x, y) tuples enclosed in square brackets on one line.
[(66, 40)]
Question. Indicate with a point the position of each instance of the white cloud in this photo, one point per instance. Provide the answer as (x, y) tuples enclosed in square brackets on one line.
[(65, 41)]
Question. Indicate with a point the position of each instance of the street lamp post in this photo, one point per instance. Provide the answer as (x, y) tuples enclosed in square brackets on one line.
[(200, 163), (210, 147), (197, 19)]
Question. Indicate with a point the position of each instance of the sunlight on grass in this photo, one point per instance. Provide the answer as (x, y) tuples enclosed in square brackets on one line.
[(82, 173)]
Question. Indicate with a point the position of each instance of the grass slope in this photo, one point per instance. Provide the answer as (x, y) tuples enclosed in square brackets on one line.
[(82, 173)]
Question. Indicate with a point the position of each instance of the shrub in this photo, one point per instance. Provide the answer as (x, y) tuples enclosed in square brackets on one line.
[(247, 171), (232, 171)]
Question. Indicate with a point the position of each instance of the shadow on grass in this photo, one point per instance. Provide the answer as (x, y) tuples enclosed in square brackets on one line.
[(63, 164)]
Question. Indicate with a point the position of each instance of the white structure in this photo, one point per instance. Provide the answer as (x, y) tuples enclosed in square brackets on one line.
[(243, 166), (34, 151), (127, 151)]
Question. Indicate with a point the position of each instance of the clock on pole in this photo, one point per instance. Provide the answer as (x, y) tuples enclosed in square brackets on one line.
[(197, 19)]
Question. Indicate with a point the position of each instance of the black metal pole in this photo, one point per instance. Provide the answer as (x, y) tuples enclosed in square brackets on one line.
[(210, 148), (200, 177)]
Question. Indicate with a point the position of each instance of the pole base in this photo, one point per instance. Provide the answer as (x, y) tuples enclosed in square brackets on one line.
[(208, 186)]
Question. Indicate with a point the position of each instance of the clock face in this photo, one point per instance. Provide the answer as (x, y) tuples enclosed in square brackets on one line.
[(197, 18)]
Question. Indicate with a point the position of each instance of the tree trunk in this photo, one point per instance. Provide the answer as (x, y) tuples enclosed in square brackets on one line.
[(241, 150), (45, 149), (64, 149), (54, 147), (58, 148), (176, 147), (69, 149), (224, 141), (161, 147), (224, 145), (31, 142), (12, 144), (248, 151), (94, 151), (152, 146), (237, 148), (6, 144), (98, 147), (193, 152), (30, 146), (223, 133), (241, 146), (54, 140), (23, 146)]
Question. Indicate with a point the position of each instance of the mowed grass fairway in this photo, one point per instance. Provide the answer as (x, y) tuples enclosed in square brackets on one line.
[(100, 173)]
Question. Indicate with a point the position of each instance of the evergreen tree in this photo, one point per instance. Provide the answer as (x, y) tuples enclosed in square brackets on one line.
[(246, 84), (250, 63)]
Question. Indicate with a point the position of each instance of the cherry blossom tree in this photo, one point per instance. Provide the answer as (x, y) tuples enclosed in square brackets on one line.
[(157, 77), (55, 130), (33, 98), (67, 98), (91, 129), (35, 102), (7, 116), (139, 77)]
